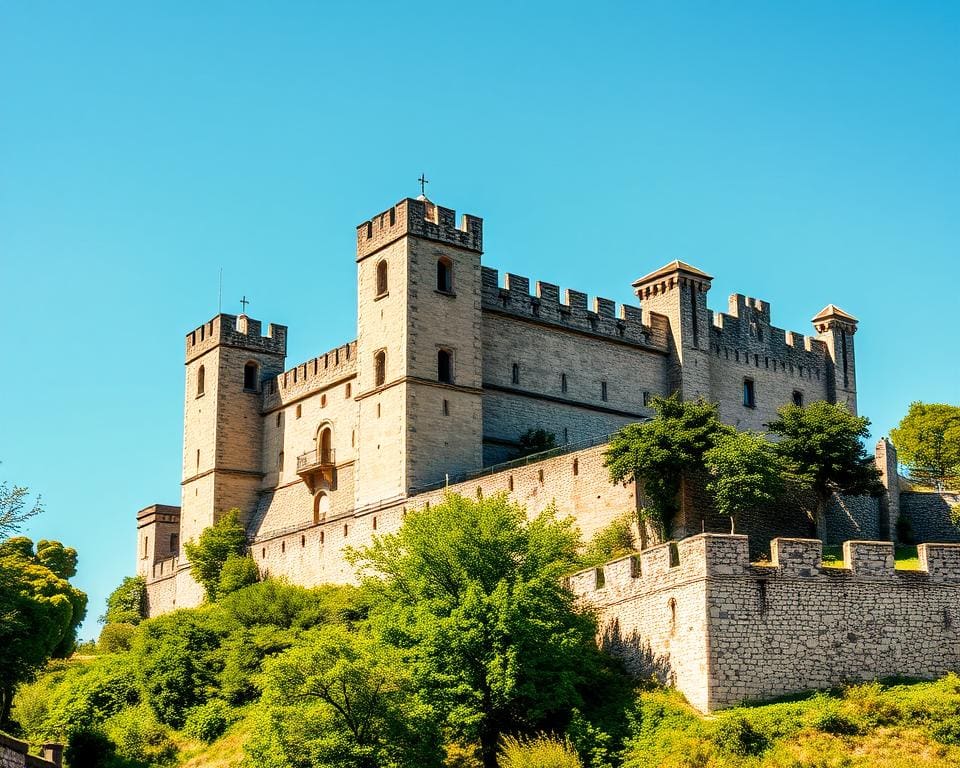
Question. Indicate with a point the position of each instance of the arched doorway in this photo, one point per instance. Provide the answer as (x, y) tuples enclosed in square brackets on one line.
[(325, 445), (321, 505)]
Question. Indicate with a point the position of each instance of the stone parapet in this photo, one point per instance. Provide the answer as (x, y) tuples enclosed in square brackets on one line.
[(322, 371), (419, 218), (236, 331)]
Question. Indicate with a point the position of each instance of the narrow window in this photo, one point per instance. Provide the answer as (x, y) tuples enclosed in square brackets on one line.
[(382, 278), (510, 483), (444, 275), (347, 390), (749, 394), (374, 523), (378, 410), (843, 349), (380, 367), (798, 398), (278, 417), (299, 411), (603, 391), (321, 537), (563, 382), (646, 399), (146, 545), (283, 547), (576, 467), (353, 439), (198, 459), (250, 377), (446, 407), (263, 552), (515, 374), (672, 604), (174, 543), (303, 541), (346, 529), (201, 376), (444, 369), (323, 400), (693, 315), (325, 446), (280, 461)]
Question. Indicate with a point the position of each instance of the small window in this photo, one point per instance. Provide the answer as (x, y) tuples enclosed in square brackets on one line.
[(603, 391), (303, 541), (250, 377), (444, 367), (321, 537), (646, 399), (299, 411), (445, 275), (346, 529), (174, 542), (280, 461), (380, 366), (446, 407), (323, 400), (374, 523), (198, 458), (576, 467), (563, 382), (515, 374), (798, 398), (749, 394), (201, 380), (146, 545), (382, 278), (283, 547), (279, 414), (347, 390)]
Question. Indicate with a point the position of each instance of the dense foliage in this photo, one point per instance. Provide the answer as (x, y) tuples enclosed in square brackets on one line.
[(472, 592), (127, 603), (39, 610), (928, 442), (745, 473), (535, 441), (821, 447), (658, 453), (218, 559)]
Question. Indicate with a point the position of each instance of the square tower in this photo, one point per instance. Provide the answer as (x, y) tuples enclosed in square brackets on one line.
[(419, 353)]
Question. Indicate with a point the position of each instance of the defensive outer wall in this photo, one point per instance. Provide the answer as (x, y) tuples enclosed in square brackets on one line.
[(699, 615)]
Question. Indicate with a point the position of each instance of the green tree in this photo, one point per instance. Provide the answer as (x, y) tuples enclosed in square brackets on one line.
[(821, 446), (127, 603), (928, 442), (610, 542), (14, 511), (535, 441), (207, 556), (659, 453), (238, 571), (40, 611), (344, 698), (744, 473), (473, 591)]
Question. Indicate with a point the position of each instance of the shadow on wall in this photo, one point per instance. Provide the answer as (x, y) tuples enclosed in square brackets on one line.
[(929, 516), (637, 655)]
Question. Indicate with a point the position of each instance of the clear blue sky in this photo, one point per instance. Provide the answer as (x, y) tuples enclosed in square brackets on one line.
[(803, 153)]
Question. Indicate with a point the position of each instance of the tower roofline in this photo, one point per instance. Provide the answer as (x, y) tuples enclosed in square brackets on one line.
[(672, 268), (419, 218), (832, 311)]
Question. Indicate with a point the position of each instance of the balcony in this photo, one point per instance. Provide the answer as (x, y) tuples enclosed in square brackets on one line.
[(315, 466)]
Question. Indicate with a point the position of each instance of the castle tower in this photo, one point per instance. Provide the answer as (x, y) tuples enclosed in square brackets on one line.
[(836, 328), (679, 292), (227, 361), (419, 349)]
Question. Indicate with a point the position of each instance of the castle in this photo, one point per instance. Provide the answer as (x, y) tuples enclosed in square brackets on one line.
[(449, 369)]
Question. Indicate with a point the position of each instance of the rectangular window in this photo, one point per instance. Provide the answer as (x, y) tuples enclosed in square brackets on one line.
[(749, 394), (515, 374), (603, 391), (446, 407), (563, 382), (646, 399)]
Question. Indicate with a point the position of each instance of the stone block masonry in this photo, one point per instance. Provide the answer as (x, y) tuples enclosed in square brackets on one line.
[(698, 615)]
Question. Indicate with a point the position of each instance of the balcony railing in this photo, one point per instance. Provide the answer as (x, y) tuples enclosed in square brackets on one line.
[(312, 460)]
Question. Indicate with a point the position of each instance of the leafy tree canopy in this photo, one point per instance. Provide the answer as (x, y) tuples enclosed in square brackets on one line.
[(535, 441), (744, 472), (928, 441), (610, 542), (658, 453), (473, 592), (821, 445), (40, 610), (127, 603), (216, 544)]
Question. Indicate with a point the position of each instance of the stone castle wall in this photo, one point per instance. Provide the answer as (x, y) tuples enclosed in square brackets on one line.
[(928, 515), (699, 615)]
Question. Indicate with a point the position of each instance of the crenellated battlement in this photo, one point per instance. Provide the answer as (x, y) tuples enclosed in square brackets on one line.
[(602, 317), (710, 556), (236, 331), (420, 218), (322, 371), (745, 334)]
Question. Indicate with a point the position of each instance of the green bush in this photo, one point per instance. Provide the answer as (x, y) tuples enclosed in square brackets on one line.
[(539, 752), (139, 737), (115, 638), (89, 748), (90, 693), (831, 720), (208, 721), (736, 736), (127, 603), (948, 731), (613, 541), (238, 571)]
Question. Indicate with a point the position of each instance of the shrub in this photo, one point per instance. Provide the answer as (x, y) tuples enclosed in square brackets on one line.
[(127, 603), (948, 731), (831, 720), (539, 752), (610, 542), (90, 693), (139, 737), (870, 707), (238, 571), (736, 736), (208, 721), (115, 638), (89, 748)]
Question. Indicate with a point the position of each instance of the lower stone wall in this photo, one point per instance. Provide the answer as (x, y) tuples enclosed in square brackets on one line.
[(14, 754), (852, 517), (928, 515), (768, 631)]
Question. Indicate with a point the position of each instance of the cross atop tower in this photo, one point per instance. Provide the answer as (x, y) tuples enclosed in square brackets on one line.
[(243, 303), (423, 184)]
